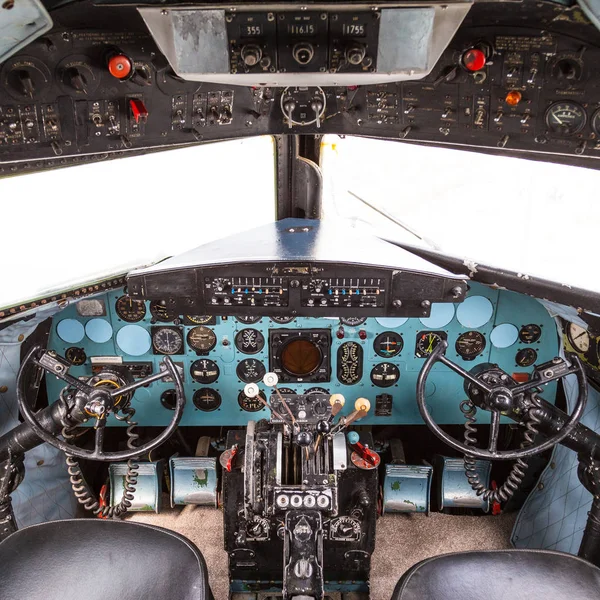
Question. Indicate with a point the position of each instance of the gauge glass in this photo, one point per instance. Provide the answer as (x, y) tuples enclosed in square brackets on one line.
[(579, 338), (167, 340), (250, 370), (316, 390), (529, 334), (352, 321), (385, 374), (248, 320), (526, 357), (199, 319), (427, 342), (201, 339), (565, 118), (301, 357), (388, 344), (282, 320), (169, 399), (470, 344), (251, 404), (160, 312), (130, 309), (206, 399), (249, 341), (596, 123), (76, 356), (204, 371), (286, 391)]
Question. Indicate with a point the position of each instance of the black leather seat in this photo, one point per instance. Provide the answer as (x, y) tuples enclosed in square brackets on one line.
[(510, 574), (94, 559)]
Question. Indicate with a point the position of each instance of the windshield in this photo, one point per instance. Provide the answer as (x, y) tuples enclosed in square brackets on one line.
[(71, 226), (530, 217)]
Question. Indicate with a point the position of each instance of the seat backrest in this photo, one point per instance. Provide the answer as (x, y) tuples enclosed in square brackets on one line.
[(95, 559)]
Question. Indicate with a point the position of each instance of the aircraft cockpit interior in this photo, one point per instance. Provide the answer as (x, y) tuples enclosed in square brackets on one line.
[(298, 300)]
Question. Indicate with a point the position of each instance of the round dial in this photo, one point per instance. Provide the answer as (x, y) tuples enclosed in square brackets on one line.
[(169, 399), (130, 309), (251, 404), (470, 344), (345, 529), (204, 371), (206, 399), (353, 321), (250, 370), (427, 342), (316, 390), (529, 334), (301, 357), (199, 319), (248, 320), (565, 118), (596, 122), (385, 375), (76, 356), (526, 357), (286, 390), (579, 338), (388, 344), (249, 341), (160, 312), (167, 340), (201, 339), (282, 320)]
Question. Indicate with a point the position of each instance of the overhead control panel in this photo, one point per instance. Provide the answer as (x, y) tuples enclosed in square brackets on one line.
[(298, 267), (344, 44)]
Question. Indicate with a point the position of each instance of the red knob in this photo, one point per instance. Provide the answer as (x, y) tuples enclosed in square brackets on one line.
[(474, 59), (120, 66)]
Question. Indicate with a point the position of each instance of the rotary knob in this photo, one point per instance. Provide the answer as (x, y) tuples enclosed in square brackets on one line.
[(355, 54), (251, 54)]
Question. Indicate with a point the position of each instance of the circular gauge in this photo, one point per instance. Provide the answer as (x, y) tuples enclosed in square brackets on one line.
[(130, 309), (199, 319), (385, 375), (204, 371), (344, 529), (169, 399), (160, 312), (596, 122), (282, 320), (76, 356), (248, 320), (300, 357), (388, 344), (526, 357), (249, 341), (251, 404), (206, 399), (427, 342), (167, 340), (470, 344), (250, 370), (316, 390), (287, 391), (579, 338), (353, 321), (529, 334), (201, 339), (565, 118)]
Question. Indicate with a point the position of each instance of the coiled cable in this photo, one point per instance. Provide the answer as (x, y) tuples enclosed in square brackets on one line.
[(517, 473)]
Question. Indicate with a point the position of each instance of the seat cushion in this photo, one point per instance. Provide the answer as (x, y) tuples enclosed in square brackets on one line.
[(96, 559), (504, 574)]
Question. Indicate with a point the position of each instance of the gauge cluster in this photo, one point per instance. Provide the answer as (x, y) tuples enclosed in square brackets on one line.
[(377, 358)]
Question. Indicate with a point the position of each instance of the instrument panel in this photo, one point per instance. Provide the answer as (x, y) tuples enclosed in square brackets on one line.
[(374, 357), (528, 83)]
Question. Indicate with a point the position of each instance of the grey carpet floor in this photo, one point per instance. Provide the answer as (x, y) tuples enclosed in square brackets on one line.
[(402, 541)]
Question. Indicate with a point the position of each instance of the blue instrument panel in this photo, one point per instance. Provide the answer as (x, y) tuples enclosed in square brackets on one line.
[(381, 356)]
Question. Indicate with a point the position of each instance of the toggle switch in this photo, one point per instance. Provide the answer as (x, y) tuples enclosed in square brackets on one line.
[(138, 109)]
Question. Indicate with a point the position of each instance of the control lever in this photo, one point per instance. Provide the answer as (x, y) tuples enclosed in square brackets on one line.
[(361, 408), (252, 391), (317, 107), (271, 380), (289, 106), (337, 402), (362, 456)]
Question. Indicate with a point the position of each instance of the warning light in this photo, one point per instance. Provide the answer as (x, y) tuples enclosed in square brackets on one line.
[(513, 97), (120, 66), (521, 377), (474, 59)]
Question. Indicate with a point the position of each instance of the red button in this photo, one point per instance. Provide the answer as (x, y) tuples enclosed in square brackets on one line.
[(474, 59), (119, 66), (138, 110)]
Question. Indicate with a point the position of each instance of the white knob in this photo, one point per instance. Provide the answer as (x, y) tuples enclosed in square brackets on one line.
[(251, 390), (362, 404), (270, 379), (337, 398)]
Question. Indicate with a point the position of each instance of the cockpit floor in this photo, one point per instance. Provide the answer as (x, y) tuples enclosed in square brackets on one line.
[(402, 541)]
